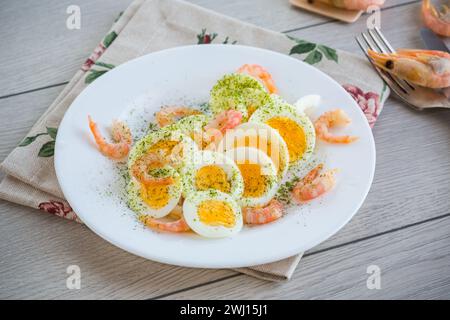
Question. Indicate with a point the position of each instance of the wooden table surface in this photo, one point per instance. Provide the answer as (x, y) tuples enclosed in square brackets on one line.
[(403, 227)]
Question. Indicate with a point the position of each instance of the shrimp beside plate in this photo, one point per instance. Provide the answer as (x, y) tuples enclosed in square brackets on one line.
[(438, 21), (427, 68)]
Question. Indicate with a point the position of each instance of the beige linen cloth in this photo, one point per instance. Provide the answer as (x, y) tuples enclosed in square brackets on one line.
[(152, 25)]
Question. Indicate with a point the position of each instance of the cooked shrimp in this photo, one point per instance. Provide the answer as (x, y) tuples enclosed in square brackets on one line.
[(353, 4), (169, 115), (428, 68), (330, 119), (224, 121), (142, 165), (438, 21), (179, 225), (269, 213), (261, 74), (314, 184), (122, 138)]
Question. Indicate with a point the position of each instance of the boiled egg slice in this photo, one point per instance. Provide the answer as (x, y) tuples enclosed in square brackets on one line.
[(177, 148), (294, 127), (259, 175), (261, 136), (240, 92), (154, 200), (212, 170), (212, 214)]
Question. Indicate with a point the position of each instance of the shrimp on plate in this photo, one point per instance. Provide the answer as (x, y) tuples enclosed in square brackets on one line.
[(171, 114), (427, 68), (331, 119), (262, 215), (224, 121), (121, 136), (353, 4), (178, 225), (438, 21), (258, 72), (314, 184), (150, 160)]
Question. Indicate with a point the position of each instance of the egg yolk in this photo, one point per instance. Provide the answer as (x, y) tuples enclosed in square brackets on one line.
[(165, 145), (216, 213), (263, 144), (155, 196), (292, 134), (212, 177), (254, 181)]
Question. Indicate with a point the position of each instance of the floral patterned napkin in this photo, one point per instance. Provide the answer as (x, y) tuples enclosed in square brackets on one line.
[(152, 25)]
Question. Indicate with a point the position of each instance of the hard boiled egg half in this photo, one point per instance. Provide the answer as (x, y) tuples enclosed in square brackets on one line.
[(176, 147), (155, 200), (259, 175), (294, 127), (212, 214), (212, 170), (260, 136)]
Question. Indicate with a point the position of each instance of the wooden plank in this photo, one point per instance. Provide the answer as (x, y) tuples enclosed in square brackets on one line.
[(38, 49), (37, 248), (400, 35), (414, 263), (42, 51)]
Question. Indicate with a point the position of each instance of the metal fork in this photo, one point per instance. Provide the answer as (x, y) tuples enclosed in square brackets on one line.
[(416, 97)]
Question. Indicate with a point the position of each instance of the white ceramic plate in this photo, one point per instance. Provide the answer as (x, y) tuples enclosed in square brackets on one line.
[(137, 89)]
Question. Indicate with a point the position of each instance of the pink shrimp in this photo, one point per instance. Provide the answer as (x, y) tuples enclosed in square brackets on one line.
[(224, 121), (428, 68), (438, 21), (122, 138), (179, 225), (314, 184), (150, 160), (262, 215), (261, 74), (353, 4), (169, 115), (330, 119)]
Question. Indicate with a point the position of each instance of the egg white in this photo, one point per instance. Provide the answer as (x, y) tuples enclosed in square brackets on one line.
[(205, 158), (190, 214), (237, 91), (189, 124), (256, 130), (255, 156)]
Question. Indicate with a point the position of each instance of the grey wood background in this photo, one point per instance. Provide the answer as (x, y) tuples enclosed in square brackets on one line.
[(403, 226)]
